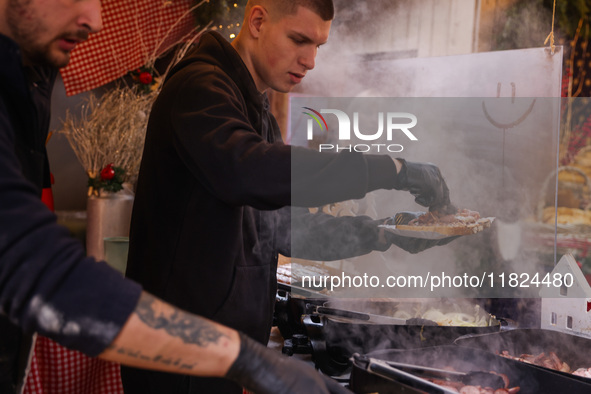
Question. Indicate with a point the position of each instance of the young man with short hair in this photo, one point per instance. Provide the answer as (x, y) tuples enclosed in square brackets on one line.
[(213, 207)]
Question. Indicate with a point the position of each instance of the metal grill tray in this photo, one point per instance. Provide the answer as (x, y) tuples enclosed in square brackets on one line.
[(531, 380), (572, 349)]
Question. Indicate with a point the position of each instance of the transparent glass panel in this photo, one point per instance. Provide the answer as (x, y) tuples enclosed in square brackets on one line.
[(498, 157), (489, 121)]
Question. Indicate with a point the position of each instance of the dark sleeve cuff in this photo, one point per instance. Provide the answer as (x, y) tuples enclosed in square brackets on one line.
[(91, 305), (381, 172), (114, 301)]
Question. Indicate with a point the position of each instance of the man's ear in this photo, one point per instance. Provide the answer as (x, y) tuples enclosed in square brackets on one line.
[(256, 17)]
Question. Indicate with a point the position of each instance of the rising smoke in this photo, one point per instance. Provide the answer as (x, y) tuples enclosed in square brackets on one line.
[(496, 171)]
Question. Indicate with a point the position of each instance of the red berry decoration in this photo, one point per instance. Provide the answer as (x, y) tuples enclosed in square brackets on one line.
[(107, 173), (146, 78)]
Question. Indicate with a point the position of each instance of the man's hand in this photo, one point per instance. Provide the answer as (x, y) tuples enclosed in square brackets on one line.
[(265, 371), (425, 182)]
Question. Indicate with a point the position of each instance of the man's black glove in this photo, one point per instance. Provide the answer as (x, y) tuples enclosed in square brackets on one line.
[(265, 371), (411, 245), (425, 182)]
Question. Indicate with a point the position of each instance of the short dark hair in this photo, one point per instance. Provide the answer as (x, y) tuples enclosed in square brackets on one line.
[(323, 8)]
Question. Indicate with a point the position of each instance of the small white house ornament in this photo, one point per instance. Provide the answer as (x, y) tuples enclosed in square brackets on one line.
[(567, 307)]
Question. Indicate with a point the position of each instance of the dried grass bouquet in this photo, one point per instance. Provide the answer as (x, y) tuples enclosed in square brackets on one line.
[(109, 133)]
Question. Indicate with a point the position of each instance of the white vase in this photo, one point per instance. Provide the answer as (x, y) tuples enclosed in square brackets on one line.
[(108, 215)]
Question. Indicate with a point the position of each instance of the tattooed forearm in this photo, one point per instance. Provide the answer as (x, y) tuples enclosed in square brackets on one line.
[(189, 328), (137, 354)]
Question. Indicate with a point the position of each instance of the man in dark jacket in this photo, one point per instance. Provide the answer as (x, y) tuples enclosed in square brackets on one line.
[(32, 118), (47, 285), (212, 209)]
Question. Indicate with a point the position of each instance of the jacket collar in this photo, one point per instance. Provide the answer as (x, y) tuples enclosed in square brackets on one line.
[(214, 49), (12, 78)]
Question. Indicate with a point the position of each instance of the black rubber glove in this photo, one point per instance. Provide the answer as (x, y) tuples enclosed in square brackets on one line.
[(411, 245), (265, 371), (425, 182)]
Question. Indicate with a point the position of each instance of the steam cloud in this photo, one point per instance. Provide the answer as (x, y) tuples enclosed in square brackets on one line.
[(498, 172)]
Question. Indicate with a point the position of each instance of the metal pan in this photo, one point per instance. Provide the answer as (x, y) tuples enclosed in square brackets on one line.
[(571, 349), (335, 338), (409, 311), (372, 318), (529, 379)]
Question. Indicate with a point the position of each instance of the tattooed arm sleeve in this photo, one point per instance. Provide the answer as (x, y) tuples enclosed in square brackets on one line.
[(160, 336)]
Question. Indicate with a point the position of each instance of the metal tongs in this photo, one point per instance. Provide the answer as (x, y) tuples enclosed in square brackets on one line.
[(415, 375)]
